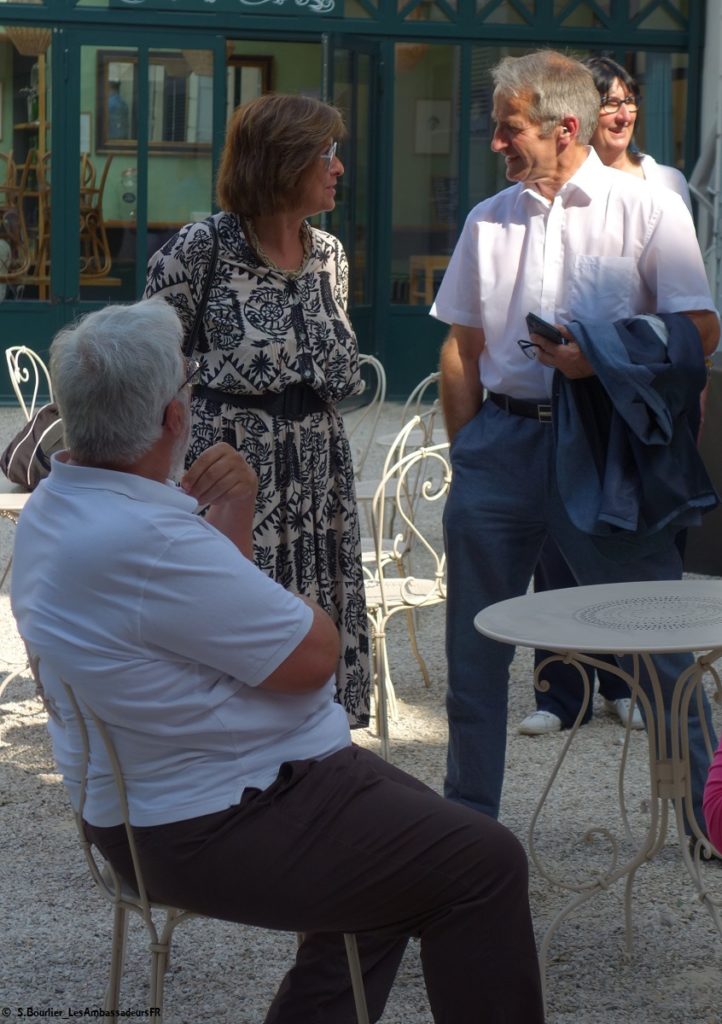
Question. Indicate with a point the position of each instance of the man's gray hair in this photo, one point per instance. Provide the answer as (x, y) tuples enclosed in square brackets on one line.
[(114, 372), (558, 86)]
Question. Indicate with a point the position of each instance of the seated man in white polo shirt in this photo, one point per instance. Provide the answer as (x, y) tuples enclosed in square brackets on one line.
[(247, 798)]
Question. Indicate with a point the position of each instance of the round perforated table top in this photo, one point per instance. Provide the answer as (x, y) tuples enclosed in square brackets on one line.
[(616, 618)]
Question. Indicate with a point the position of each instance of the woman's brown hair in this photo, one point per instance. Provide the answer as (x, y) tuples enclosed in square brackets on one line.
[(271, 142)]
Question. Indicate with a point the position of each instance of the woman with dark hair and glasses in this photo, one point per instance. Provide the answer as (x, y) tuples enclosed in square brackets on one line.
[(613, 139), (614, 136), (278, 354)]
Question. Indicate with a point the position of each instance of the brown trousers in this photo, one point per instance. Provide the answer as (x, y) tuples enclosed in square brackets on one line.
[(352, 844)]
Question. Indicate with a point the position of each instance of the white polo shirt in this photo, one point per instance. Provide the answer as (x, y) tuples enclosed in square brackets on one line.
[(609, 245), (158, 620)]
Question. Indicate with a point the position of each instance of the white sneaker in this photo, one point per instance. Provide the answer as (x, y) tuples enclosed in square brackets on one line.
[(540, 722), (620, 708)]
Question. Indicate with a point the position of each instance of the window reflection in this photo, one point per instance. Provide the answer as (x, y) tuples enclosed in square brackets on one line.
[(25, 165), (425, 183), (180, 89)]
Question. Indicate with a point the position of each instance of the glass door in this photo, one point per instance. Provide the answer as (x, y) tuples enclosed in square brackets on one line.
[(145, 155), (354, 68)]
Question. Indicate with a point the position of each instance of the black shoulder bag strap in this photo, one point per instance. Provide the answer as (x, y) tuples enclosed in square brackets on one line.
[(192, 338)]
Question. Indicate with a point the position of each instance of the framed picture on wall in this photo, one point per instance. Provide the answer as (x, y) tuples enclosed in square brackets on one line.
[(433, 126)]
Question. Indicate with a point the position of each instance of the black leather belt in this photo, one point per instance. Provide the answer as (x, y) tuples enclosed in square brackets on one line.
[(293, 403), (518, 407)]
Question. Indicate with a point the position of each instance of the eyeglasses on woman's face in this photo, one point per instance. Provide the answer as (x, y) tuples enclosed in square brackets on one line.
[(328, 155), (612, 104)]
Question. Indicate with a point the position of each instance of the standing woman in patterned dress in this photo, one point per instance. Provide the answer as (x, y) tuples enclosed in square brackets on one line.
[(278, 354)]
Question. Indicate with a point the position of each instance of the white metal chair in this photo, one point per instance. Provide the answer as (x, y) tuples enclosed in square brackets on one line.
[(417, 404), (361, 424), (419, 479), (26, 367), (124, 898), (396, 549), (415, 433), (419, 397)]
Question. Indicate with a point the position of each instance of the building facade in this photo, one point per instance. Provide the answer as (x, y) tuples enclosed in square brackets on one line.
[(113, 112)]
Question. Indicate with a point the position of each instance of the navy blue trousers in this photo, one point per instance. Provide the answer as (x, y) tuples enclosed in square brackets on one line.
[(502, 506)]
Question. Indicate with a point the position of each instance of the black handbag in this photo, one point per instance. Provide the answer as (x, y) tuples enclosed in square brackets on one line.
[(26, 460), (191, 339)]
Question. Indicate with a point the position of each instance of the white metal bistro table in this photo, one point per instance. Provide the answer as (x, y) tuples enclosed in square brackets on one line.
[(638, 620)]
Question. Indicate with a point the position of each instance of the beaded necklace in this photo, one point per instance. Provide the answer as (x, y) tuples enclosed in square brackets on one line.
[(304, 234)]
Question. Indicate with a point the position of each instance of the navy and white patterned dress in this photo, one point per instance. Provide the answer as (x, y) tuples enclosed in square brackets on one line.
[(265, 329)]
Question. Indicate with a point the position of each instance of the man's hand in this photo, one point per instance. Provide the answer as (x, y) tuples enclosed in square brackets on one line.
[(460, 385), (222, 479), (568, 359), (220, 475)]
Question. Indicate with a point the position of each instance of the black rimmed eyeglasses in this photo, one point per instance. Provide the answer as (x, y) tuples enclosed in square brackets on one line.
[(193, 374), (611, 104)]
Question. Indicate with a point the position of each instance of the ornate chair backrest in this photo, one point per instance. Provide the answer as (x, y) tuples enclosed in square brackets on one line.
[(29, 377), (361, 427), (419, 477), (393, 492), (418, 400)]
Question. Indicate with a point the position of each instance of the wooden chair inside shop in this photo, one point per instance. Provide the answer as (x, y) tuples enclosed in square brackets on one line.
[(95, 257), (14, 241), (37, 201), (98, 753)]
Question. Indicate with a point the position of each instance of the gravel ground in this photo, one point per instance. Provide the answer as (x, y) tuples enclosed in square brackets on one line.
[(54, 950)]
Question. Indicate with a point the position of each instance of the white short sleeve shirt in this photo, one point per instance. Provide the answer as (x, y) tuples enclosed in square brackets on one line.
[(608, 246), (160, 623)]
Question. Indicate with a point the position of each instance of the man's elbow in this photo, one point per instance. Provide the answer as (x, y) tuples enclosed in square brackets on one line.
[(312, 663)]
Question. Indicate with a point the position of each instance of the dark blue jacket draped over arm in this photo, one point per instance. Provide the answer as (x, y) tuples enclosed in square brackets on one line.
[(628, 468)]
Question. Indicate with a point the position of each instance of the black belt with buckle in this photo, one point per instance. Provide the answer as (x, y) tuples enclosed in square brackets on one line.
[(518, 407), (293, 403)]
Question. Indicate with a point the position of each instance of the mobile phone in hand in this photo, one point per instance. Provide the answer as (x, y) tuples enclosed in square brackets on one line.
[(536, 325)]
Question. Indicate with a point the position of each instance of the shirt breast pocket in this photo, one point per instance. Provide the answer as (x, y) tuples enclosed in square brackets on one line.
[(601, 287)]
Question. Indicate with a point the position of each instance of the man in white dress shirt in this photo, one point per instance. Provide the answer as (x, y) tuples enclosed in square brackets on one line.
[(570, 240)]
